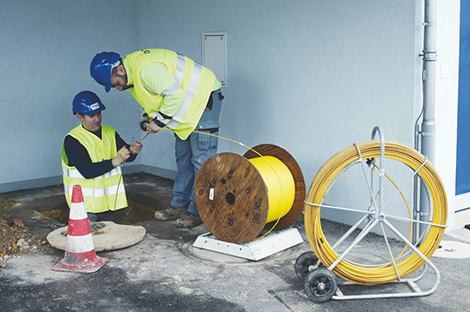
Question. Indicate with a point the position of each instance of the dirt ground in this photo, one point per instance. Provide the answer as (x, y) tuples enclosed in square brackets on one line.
[(15, 238), (42, 210)]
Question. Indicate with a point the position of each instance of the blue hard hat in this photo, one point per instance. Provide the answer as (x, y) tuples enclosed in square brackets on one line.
[(101, 66), (87, 103)]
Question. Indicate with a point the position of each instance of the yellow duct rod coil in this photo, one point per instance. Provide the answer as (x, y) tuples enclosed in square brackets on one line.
[(238, 196), (369, 274)]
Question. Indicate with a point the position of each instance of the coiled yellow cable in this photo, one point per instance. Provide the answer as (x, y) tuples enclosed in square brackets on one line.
[(334, 166), (284, 208)]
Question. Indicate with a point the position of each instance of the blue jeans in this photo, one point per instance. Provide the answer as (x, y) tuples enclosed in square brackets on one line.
[(193, 152)]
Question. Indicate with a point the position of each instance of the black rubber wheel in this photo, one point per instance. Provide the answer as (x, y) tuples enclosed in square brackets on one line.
[(303, 263), (320, 285)]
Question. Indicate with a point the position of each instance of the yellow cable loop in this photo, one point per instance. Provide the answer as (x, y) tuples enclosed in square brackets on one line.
[(333, 167), (249, 148), (409, 214)]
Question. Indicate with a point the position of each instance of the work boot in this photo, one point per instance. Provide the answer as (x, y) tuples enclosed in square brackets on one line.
[(188, 220), (171, 213)]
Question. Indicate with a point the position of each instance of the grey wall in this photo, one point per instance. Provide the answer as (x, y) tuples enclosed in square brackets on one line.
[(311, 76), (46, 48)]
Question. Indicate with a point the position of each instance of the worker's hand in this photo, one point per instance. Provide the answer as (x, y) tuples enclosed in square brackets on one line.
[(122, 155), (152, 127), (146, 118), (136, 147)]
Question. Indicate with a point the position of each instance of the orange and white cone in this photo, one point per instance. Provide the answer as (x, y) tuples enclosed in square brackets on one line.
[(80, 255)]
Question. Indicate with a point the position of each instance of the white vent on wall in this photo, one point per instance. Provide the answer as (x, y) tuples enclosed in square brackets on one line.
[(214, 54)]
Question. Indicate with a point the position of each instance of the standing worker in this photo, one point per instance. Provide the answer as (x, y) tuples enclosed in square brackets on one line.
[(91, 157), (177, 93)]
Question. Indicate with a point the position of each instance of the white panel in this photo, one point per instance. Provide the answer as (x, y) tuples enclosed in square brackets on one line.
[(214, 54), (258, 249)]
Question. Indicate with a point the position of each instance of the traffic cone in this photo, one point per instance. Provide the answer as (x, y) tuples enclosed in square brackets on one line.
[(80, 255)]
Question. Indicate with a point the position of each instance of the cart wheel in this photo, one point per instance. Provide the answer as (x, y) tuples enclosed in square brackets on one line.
[(320, 285), (303, 264)]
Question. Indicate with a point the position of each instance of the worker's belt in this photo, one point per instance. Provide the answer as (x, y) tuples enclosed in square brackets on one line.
[(210, 102)]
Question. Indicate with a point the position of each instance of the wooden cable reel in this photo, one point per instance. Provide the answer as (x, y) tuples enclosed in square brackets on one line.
[(238, 196)]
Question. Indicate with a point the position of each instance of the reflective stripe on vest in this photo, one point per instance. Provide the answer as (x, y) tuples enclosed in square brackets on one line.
[(189, 93), (89, 192), (171, 89)]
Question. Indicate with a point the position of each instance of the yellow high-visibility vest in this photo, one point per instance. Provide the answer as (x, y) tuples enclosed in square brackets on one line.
[(196, 81), (102, 193)]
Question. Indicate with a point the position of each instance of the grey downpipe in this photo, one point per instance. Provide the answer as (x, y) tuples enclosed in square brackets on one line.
[(427, 134)]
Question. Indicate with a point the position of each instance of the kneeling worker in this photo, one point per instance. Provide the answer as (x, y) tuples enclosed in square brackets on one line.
[(91, 157)]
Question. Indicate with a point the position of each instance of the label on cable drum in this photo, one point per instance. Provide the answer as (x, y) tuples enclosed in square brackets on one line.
[(211, 194)]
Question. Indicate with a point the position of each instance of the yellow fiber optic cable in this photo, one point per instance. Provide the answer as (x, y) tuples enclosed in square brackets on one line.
[(334, 166), (409, 214)]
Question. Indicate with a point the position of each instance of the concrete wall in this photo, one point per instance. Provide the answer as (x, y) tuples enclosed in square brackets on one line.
[(46, 49), (310, 76)]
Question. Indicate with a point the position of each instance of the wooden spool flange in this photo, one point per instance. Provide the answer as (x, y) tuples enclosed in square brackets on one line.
[(232, 198)]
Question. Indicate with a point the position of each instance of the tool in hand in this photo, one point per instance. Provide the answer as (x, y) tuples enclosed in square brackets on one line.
[(144, 137), (143, 125)]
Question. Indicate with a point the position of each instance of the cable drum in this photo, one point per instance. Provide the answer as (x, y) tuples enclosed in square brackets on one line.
[(239, 196), (327, 176)]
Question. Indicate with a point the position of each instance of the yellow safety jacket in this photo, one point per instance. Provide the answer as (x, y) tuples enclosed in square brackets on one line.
[(105, 192), (195, 80)]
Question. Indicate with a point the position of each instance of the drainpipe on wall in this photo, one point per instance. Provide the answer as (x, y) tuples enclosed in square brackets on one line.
[(428, 126)]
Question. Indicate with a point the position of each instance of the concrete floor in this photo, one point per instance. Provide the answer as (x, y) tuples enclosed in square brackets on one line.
[(164, 273)]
